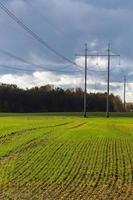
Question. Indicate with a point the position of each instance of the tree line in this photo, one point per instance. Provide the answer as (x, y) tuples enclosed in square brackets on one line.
[(50, 99)]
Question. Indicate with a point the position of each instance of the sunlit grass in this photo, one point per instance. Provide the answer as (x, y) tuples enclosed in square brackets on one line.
[(66, 156)]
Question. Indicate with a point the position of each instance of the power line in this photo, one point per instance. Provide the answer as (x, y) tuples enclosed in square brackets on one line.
[(45, 68), (16, 68), (30, 63), (33, 34)]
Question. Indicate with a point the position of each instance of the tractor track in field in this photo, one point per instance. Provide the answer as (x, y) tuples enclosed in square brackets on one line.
[(78, 125), (23, 147), (87, 187), (61, 164), (19, 132), (29, 145), (15, 154)]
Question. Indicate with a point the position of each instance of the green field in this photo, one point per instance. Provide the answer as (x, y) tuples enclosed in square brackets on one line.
[(53, 157)]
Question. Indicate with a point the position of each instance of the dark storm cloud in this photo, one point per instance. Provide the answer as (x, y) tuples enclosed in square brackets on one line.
[(66, 25)]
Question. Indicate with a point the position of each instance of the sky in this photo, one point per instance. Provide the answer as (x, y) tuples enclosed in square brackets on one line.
[(66, 26)]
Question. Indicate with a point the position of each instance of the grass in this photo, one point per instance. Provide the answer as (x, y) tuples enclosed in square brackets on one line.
[(64, 156)]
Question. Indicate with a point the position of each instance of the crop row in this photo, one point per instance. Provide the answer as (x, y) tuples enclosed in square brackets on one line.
[(60, 165)]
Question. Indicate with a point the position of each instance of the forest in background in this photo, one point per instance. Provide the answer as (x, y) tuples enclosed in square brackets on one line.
[(50, 99)]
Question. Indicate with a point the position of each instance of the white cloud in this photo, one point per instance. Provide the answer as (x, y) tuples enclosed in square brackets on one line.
[(41, 78)]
